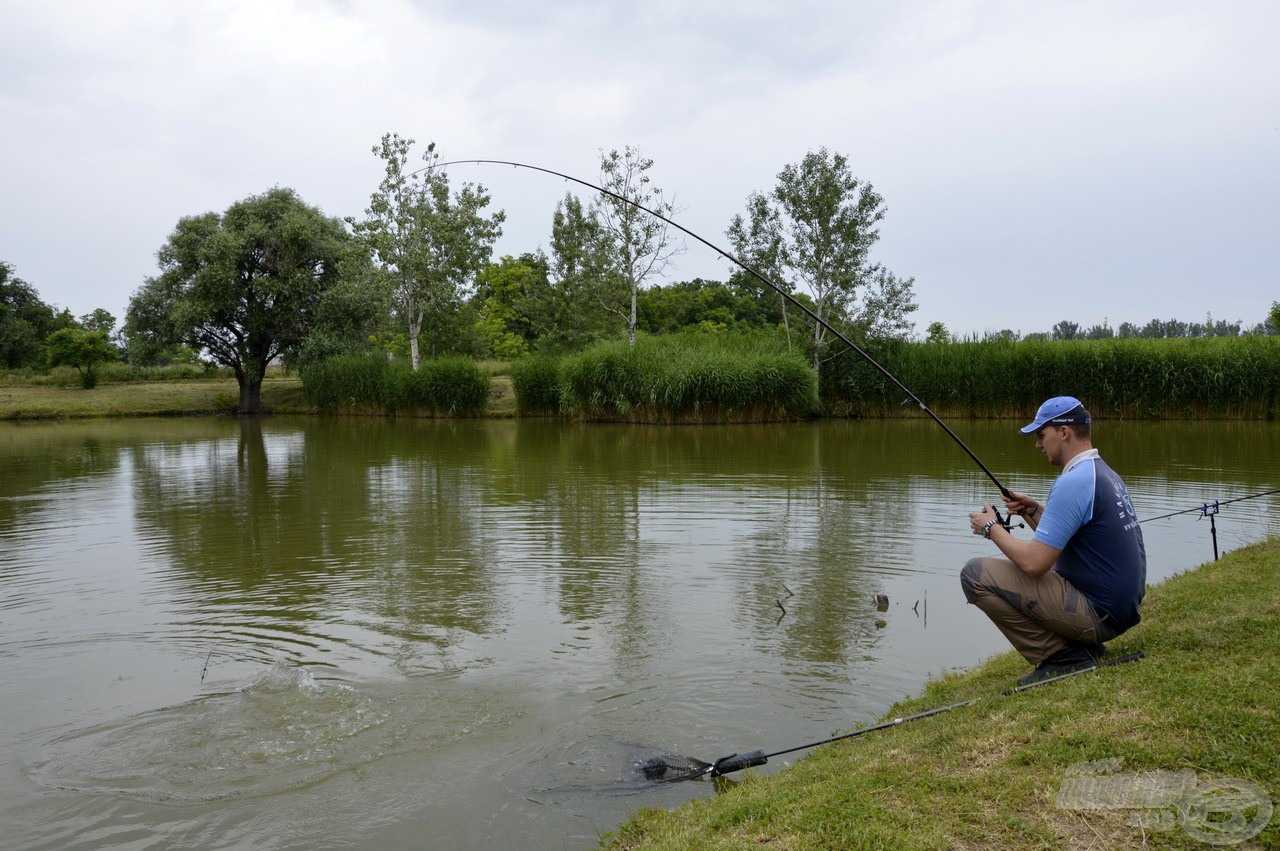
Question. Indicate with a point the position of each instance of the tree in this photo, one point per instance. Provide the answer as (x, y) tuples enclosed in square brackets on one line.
[(25, 322), (816, 228), (1100, 332), (572, 311), (937, 333), (640, 245), (1065, 330), (431, 246), (758, 240), (245, 286), (503, 291), (82, 349)]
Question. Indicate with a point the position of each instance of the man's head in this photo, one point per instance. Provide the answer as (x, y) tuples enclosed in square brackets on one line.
[(1062, 429)]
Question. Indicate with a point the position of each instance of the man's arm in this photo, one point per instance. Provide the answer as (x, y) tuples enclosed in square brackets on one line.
[(1031, 557)]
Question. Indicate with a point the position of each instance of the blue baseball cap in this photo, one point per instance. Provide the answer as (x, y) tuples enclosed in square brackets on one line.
[(1060, 410)]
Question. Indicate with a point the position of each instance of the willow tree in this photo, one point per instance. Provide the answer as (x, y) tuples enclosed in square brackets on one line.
[(429, 244), (244, 287), (816, 229)]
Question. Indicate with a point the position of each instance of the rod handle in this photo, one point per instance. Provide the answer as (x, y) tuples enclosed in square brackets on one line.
[(737, 762)]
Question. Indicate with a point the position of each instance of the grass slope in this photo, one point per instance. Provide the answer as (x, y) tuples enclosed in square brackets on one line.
[(988, 775)]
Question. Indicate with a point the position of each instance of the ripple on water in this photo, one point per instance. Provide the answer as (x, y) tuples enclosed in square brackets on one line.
[(281, 731)]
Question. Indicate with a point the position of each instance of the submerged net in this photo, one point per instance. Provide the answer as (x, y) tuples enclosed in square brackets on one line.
[(670, 768)]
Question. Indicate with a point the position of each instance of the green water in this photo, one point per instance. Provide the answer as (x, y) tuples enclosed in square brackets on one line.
[(333, 633)]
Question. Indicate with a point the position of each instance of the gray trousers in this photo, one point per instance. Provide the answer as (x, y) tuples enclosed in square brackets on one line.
[(1038, 616)]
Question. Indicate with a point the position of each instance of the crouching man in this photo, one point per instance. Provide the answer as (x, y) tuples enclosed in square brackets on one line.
[(1079, 580)]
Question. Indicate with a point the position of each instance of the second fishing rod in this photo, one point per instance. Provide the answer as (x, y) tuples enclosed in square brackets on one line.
[(792, 300)]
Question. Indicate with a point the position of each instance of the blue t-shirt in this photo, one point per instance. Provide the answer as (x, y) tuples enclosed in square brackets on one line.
[(1090, 517)]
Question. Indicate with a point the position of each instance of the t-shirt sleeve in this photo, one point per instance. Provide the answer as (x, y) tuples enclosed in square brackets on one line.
[(1069, 506)]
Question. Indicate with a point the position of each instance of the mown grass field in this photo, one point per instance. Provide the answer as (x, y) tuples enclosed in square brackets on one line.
[(144, 398), (989, 775), (280, 395)]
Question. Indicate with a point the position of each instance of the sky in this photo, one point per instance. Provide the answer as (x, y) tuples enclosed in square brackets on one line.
[(1091, 161)]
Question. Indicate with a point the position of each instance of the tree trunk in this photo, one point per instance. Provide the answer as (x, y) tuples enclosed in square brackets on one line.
[(786, 323), (250, 396), (415, 328), (631, 324)]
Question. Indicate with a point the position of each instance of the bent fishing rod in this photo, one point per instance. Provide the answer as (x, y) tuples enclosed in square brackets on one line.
[(775, 287), (687, 768)]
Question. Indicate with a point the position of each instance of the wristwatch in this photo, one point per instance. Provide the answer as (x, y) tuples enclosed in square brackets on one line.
[(986, 529)]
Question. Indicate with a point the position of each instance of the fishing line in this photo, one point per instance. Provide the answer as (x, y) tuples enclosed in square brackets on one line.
[(1212, 514), (1204, 508), (775, 287), (674, 769)]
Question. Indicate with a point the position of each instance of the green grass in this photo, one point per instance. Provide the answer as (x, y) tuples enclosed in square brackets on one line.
[(987, 775), (280, 394)]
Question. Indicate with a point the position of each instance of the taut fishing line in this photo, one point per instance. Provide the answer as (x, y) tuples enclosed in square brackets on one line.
[(767, 282), (674, 769)]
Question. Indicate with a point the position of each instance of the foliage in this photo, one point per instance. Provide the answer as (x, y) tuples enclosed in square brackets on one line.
[(84, 350), (816, 228), (639, 243), (536, 381), (666, 309), (688, 377), (504, 292), (937, 333), (571, 313), (99, 320), (246, 286), (429, 245), (370, 384), (25, 321), (1221, 377)]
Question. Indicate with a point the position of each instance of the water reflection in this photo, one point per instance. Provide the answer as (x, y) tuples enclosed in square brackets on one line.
[(503, 614)]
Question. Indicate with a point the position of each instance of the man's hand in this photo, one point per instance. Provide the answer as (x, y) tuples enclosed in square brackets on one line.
[(978, 519), (1021, 504)]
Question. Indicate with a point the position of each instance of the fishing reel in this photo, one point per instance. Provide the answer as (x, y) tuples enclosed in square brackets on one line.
[(1005, 521)]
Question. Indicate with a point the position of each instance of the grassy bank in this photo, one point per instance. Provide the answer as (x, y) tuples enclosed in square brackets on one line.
[(144, 398), (281, 394), (989, 775)]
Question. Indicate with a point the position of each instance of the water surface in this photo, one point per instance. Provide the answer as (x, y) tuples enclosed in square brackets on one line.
[(328, 633)]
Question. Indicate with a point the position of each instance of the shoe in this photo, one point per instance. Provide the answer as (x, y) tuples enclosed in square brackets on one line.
[(1097, 651), (1074, 657)]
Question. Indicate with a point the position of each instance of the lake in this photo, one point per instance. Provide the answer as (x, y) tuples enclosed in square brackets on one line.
[(331, 633)]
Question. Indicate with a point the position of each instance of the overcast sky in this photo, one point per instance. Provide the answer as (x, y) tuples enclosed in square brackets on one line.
[(1039, 161)]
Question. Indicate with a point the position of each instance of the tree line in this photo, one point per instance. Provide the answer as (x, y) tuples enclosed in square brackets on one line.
[(274, 278)]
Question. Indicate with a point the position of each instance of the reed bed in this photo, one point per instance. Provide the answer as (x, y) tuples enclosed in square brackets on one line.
[(454, 386), (1220, 377), (688, 378), (536, 381)]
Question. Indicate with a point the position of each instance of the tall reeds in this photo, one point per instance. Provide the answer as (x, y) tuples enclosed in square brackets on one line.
[(370, 384), (687, 378), (1225, 377)]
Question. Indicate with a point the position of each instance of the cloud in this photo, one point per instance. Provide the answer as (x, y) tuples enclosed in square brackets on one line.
[(1024, 150)]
